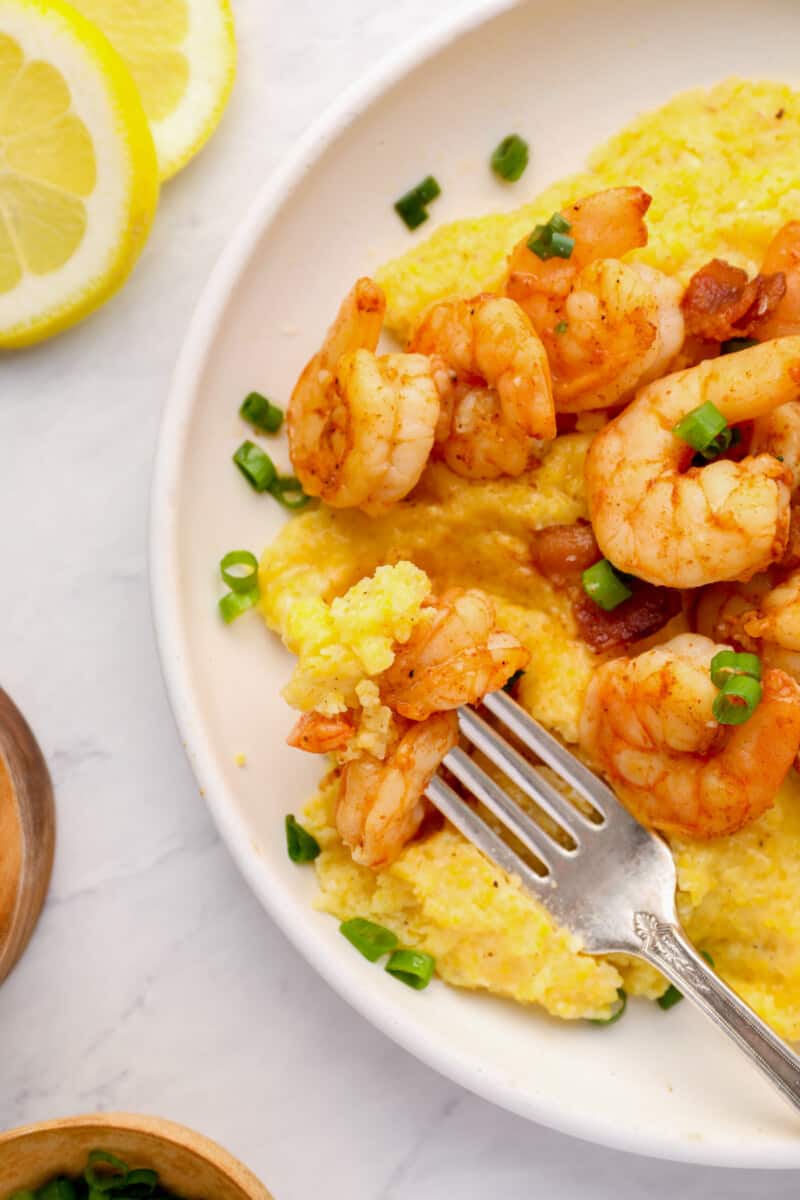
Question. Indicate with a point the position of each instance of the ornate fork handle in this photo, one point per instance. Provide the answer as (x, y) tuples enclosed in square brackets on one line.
[(666, 947)]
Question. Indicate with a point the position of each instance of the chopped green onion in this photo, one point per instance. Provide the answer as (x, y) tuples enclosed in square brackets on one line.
[(603, 585), (288, 491), (720, 445), (412, 967), (704, 954), (737, 700), (550, 240), (412, 206), (510, 158), (670, 998), (734, 344), (62, 1189), (256, 466), (141, 1182), (239, 558), (726, 663), (233, 604), (24, 1194), (261, 413), (301, 846), (104, 1171), (701, 426), (512, 682), (561, 245), (622, 1004), (371, 940), (561, 327)]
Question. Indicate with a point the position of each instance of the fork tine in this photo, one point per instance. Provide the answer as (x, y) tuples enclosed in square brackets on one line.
[(467, 771), (542, 743), (523, 774), (475, 830)]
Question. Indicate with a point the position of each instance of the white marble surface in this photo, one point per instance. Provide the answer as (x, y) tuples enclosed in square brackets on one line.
[(156, 982)]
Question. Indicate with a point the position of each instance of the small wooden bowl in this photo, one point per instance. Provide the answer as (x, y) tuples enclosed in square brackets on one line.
[(27, 833), (187, 1164)]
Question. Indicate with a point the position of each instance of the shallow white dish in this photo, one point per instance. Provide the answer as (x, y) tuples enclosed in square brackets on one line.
[(656, 1083)]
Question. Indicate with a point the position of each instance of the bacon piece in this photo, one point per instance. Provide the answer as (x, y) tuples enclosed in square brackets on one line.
[(721, 302), (561, 552), (642, 614), (318, 734)]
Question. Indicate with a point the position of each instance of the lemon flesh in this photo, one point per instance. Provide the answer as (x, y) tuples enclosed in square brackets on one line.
[(182, 55), (78, 171)]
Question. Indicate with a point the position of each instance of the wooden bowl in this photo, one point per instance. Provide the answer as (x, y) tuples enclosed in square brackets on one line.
[(27, 833), (187, 1164)]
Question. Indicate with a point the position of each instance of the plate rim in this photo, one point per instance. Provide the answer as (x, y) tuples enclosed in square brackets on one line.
[(233, 260)]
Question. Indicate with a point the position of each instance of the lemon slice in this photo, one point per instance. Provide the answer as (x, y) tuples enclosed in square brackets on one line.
[(182, 54), (78, 170)]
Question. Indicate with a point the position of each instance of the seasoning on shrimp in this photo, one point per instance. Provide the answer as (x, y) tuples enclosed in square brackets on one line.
[(648, 725), (361, 425), (382, 804), (453, 657), (493, 383), (658, 517), (607, 326)]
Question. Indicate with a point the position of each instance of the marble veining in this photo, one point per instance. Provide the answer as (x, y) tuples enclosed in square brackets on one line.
[(155, 981)]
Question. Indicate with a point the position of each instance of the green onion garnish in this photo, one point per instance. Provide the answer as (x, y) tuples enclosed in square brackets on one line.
[(104, 1171), (233, 604), (603, 585), (622, 1004), (512, 681), (288, 491), (737, 700), (734, 344), (510, 158), (670, 998), (726, 663), (722, 443), (561, 327), (256, 466), (412, 206), (371, 940), (24, 1194), (701, 426), (412, 967), (64, 1189), (301, 846), (551, 240), (141, 1182), (237, 582), (261, 413)]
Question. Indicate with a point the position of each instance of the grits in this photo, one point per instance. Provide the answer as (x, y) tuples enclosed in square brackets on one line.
[(724, 170)]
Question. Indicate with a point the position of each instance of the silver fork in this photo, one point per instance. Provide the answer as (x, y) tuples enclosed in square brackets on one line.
[(615, 888)]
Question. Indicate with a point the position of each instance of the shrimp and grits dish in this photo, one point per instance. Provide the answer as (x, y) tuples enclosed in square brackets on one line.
[(575, 474)]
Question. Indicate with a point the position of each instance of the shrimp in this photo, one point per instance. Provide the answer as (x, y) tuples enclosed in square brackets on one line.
[(493, 383), (783, 257), (660, 518), (381, 804), (361, 425), (647, 723), (762, 616), (320, 734), (454, 657), (607, 326)]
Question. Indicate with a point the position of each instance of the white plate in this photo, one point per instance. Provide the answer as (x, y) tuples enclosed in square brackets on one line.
[(567, 75)]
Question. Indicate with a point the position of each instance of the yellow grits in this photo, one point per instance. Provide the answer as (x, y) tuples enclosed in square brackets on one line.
[(723, 167)]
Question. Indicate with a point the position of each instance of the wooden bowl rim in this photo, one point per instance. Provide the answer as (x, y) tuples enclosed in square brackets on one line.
[(168, 1132)]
